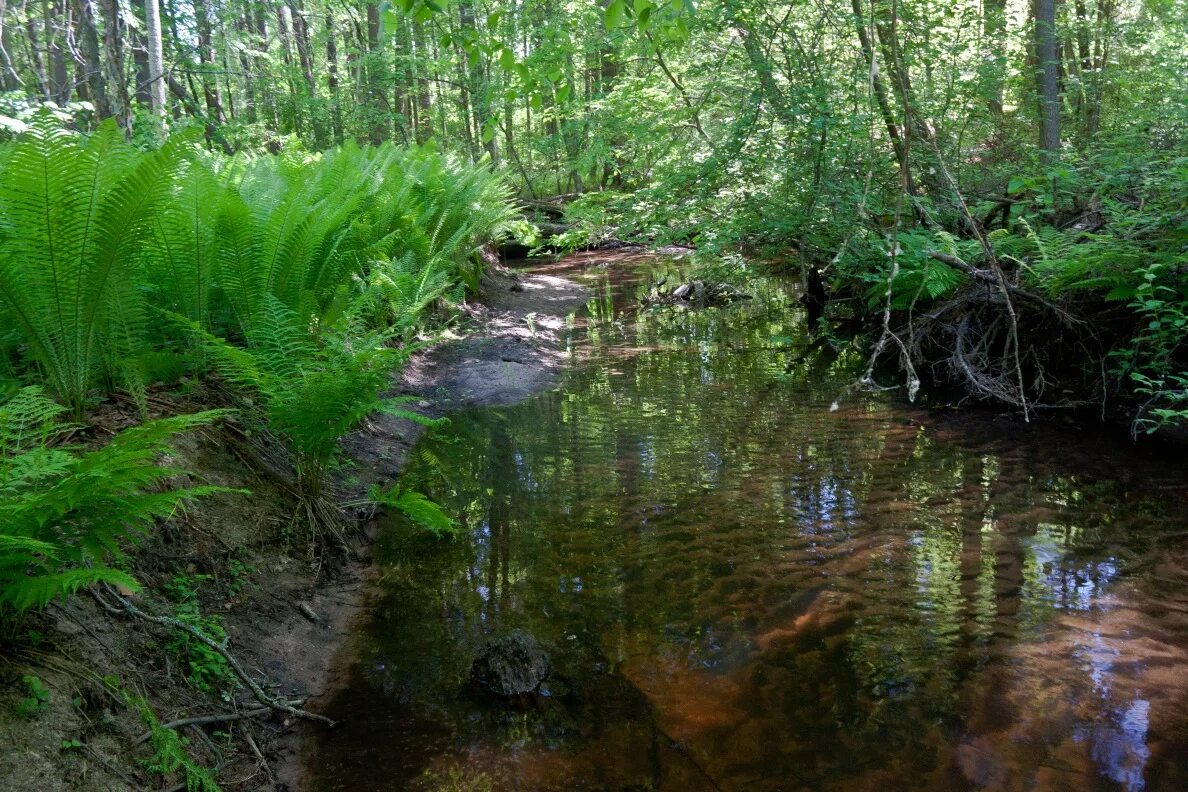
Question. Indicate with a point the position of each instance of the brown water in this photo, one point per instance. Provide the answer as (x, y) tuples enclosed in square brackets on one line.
[(743, 586)]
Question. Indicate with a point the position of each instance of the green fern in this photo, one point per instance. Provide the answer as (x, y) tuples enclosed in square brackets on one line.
[(417, 507), (66, 512), (310, 389), (73, 214)]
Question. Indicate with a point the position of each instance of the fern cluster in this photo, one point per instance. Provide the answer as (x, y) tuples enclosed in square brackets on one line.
[(293, 277), (97, 236), (65, 512)]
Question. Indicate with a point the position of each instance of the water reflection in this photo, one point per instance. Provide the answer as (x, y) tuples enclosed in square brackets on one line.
[(742, 589)]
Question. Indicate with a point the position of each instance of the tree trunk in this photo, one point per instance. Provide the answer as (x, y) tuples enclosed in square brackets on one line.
[(36, 57), (305, 56), (994, 52), (243, 26), (91, 59), (1048, 63), (214, 107), (378, 128), (9, 79), (881, 98), (424, 100), (332, 78), (113, 64), (56, 27), (156, 57)]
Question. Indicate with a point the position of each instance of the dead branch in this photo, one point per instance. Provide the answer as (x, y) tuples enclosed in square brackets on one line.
[(224, 717), (986, 276), (260, 695)]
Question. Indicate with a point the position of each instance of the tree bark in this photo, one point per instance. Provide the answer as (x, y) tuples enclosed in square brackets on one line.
[(332, 78), (113, 65), (156, 57), (56, 27), (91, 59), (9, 79), (36, 57), (1048, 63), (994, 28), (210, 92), (377, 128)]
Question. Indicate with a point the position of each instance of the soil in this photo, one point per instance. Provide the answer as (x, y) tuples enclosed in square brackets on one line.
[(286, 612)]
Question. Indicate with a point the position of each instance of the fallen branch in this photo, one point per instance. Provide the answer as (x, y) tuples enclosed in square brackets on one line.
[(986, 276), (258, 692), (225, 717)]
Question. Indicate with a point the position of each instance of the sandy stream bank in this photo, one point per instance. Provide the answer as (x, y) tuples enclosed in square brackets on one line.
[(251, 574)]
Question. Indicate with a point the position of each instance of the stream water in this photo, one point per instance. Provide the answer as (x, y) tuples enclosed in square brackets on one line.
[(748, 577)]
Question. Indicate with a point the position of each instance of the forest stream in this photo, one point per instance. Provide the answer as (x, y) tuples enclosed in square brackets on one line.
[(749, 576)]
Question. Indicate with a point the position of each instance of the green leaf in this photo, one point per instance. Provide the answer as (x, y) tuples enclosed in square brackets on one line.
[(507, 59), (563, 92), (418, 508), (614, 14)]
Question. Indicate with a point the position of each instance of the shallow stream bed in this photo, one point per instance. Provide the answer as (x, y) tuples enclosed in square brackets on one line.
[(749, 577)]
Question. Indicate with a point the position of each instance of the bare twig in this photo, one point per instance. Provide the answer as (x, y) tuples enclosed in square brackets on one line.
[(260, 695), (224, 717)]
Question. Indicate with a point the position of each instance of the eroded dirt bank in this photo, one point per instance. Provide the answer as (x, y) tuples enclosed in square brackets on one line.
[(241, 560)]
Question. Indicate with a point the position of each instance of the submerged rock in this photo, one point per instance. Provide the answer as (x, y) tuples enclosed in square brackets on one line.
[(510, 665), (695, 294)]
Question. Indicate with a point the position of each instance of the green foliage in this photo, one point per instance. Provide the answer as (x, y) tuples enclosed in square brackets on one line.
[(169, 753), (308, 388), (1155, 360), (921, 279), (66, 511), (416, 507), (37, 696), (73, 212), (206, 669)]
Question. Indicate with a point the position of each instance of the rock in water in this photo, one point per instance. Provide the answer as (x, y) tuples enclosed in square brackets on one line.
[(511, 665)]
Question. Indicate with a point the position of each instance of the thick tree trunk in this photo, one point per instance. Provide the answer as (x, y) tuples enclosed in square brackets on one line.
[(378, 127), (113, 64), (91, 59), (1048, 63), (56, 27), (156, 57)]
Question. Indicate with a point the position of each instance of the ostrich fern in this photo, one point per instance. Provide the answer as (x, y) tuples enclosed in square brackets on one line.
[(64, 511), (73, 213), (310, 389)]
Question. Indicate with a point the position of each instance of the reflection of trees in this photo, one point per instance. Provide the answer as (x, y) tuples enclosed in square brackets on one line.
[(845, 572)]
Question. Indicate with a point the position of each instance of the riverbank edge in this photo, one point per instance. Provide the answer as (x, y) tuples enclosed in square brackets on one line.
[(286, 614)]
